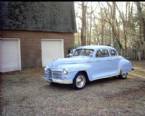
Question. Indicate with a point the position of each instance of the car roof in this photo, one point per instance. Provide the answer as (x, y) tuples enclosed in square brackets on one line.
[(95, 47)]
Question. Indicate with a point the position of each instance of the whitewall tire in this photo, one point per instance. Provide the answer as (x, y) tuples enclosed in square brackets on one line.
[(79, 81), (123, 75)]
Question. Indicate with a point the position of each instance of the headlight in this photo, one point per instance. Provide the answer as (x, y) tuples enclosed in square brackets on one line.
[(45, 69), (65, 71)]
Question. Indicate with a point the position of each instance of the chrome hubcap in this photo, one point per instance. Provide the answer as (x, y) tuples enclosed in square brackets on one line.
[(80, 81), (124, 75)]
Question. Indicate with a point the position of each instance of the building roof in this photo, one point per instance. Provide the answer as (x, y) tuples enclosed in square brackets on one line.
[(38, 16)]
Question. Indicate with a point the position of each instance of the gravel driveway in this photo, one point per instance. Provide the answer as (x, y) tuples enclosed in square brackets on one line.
[(27, 94)]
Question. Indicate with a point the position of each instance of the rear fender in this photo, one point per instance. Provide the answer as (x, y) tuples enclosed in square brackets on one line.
[(125, 66)]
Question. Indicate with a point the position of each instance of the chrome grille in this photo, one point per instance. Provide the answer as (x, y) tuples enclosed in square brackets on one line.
[(56, 74), (48, 73)]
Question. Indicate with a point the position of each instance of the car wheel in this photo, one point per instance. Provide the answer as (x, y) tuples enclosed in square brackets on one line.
[(124, 75), (79, 81)]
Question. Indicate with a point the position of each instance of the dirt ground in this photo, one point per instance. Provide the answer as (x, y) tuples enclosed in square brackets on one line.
[(26, 93)]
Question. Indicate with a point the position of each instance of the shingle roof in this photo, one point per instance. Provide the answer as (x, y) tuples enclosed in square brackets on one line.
[(38, 16)]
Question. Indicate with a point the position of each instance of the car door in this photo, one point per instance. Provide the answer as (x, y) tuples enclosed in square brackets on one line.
[(101, 65), (114, 62)]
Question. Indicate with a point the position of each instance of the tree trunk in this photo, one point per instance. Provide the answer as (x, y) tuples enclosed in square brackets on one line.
[(141, 18), (83, 29), (141, 29), (113, 22), (139, 55), (90, 35)]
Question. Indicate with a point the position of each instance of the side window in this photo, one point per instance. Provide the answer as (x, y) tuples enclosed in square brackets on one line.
[(88, 52), (77, 52), (105, 53), (102, 53), (113, 52), (98, 53)]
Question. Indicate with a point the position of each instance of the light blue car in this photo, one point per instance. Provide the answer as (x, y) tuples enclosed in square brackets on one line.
[(87, 63)]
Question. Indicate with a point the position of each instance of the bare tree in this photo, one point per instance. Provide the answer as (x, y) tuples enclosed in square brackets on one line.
[(125, 31), (124, 22), (113, 23), (83, 28), (141, 28), (141, 19), (90, 29)]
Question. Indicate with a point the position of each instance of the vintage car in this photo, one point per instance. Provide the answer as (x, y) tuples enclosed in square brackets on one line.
[(87, 63)]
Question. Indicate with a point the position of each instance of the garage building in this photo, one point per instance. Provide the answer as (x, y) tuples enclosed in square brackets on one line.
[(34, 33)]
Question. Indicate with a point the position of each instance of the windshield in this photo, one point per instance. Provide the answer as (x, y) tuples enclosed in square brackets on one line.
[(83, 52)]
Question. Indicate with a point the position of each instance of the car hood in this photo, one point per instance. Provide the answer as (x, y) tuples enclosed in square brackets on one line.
[(71, 60)]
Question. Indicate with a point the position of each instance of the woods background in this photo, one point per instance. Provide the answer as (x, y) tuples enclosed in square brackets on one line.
[(119, 24)]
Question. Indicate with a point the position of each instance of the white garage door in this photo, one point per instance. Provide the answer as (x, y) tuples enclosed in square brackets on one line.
[(10, 59), (51, 50)]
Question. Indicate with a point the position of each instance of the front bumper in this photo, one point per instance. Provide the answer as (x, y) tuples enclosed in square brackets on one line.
[(61, 81)]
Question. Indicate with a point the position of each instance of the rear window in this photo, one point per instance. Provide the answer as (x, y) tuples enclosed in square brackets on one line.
[(113, 52), (102, 53)]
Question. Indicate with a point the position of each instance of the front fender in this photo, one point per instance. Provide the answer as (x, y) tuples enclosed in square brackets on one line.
[(73, 69)]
